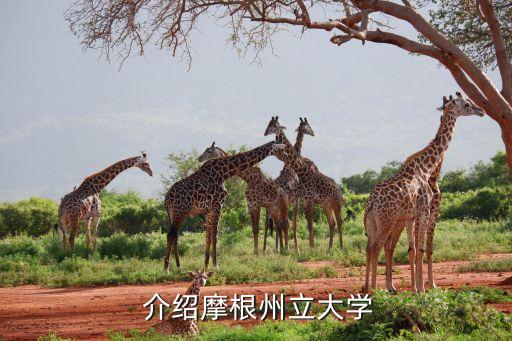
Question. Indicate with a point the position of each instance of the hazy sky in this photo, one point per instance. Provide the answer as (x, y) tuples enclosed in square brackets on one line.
[(65, 114)]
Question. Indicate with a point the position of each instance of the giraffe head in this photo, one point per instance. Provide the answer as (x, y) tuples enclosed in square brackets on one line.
[(143, 163), (274, 127), (459, 106), (212, 152), (199, 278), (305, 127)]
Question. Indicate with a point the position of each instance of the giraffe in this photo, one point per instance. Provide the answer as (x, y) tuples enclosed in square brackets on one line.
[(410, 198), (314, 187), (92, 217), (76, 206), (203, 192), (180, 326), (261, 192), (288, 179)]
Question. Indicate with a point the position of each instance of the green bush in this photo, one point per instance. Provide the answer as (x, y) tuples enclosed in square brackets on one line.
[(131, 214), (34, 217), (482, 204)]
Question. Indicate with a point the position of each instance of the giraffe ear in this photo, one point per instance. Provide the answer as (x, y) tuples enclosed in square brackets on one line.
[(445, 100), (306, 119), (300, 118)]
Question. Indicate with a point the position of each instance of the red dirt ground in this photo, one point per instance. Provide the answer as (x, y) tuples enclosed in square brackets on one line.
[(27, 312)]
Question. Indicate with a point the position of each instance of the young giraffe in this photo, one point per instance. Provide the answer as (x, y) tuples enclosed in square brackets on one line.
[(203, 192), (409, 198), (179, 326), (260, 192), (314, 187), (77, 205)]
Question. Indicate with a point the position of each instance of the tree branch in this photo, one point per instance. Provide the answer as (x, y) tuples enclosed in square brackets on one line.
[(409, 15), (504, 64)]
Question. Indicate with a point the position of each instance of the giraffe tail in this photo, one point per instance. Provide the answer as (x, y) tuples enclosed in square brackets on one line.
[(271, 225), (55, 230), (350, 215), (367, 209)]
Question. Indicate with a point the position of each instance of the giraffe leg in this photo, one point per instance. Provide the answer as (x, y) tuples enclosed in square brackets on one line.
[(72, 233), (430, 241), (420, 244), (280, 234), (308, 212), (286, 227), (409, 226), (366, 289), (282, 215), (374, 261), (277, 238), (434, 212), (214, 247), (254, 212), (63, 229), (211, 224), (371, 228), (87, 236), (330, 221), (294, 225), (95, 223), (207, 246), (339, 222), (389, 248), (377, 234), (265, 235)]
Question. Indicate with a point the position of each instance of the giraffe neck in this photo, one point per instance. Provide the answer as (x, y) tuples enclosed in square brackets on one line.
[(193, 289), (98, 181), (431, 158), (298, 141), (234, 165)]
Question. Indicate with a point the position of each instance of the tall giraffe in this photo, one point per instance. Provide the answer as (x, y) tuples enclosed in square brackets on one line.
[(261, 192), (288, 180), (76, 205), (203, 192), (314, 187), (180, 326), (409, 198)]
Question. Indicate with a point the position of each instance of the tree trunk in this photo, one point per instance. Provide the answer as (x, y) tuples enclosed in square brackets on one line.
[(506, 135)]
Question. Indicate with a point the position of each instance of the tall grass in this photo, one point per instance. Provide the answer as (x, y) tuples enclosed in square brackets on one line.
[(123, 259)]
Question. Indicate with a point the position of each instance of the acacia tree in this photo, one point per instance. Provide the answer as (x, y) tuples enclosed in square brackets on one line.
[(467, 37)]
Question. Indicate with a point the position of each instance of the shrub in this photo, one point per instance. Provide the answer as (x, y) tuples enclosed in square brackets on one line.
[(486, 203), (34, 217)]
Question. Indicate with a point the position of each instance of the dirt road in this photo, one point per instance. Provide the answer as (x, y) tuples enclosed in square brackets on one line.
[(27, 312)]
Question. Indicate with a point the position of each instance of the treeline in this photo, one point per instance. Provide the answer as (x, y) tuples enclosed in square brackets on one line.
[(483, 192)]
